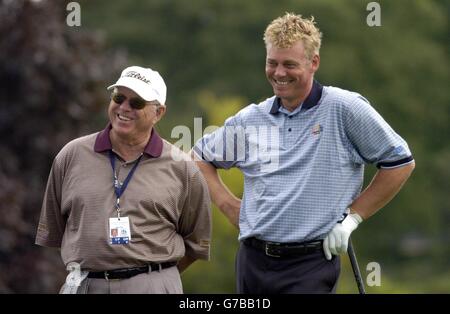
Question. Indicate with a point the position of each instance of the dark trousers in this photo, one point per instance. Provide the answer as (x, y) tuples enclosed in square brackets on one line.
[(258, 273)]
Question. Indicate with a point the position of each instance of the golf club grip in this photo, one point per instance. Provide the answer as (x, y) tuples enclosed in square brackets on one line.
[(355, 267)]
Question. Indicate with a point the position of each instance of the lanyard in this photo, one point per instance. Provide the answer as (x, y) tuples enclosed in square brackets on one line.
[(119, 189)]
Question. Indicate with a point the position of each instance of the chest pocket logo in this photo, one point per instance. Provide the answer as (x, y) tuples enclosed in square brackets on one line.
[(316, 129)]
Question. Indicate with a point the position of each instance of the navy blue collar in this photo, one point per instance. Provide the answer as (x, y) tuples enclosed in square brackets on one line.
[(310, 101)]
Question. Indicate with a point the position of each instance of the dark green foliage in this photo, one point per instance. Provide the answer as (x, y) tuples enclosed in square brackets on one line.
[(51, 86)]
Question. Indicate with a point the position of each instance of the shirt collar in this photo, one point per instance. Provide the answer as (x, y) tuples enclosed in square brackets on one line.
[(154, 146), (310, 101)]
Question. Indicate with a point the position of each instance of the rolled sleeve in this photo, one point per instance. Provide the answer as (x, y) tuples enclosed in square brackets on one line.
[(372, 137), (195, 220)]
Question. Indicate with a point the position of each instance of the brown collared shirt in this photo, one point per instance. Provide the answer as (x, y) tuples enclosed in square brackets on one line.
[(166, 200)]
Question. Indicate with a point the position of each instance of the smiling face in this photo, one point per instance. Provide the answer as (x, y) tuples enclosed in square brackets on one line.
[(133, 124), (290, 73)]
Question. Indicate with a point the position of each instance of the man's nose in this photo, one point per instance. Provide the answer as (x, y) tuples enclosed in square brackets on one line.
[(125, 105), (280, 71)]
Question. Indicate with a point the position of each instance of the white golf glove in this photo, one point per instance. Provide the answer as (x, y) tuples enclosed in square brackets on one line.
[(336, 241)]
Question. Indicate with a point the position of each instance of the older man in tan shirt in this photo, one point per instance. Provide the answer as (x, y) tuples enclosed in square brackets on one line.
[(128, 210)]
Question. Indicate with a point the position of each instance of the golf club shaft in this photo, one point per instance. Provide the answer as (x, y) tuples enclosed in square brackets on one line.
[(355, 267)]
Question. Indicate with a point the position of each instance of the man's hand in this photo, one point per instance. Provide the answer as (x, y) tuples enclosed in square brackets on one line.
[(336, 241)]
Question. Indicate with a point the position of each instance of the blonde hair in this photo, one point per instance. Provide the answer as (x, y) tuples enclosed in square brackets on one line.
[(285, 31)]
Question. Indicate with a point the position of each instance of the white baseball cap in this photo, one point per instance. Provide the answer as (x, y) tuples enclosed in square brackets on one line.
[(145, 82)]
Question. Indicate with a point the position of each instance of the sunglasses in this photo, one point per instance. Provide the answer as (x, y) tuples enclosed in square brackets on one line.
[(135, 103)]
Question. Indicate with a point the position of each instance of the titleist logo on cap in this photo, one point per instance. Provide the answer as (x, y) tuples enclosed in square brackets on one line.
[(136, 75)]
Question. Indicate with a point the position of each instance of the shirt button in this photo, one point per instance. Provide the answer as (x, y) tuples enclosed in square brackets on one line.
[(289, 129)]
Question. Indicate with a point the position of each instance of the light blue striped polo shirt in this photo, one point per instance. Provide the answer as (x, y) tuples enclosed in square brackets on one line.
[(302, 169)]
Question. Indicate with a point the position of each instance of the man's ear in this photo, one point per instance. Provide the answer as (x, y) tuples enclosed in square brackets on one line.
[(315, 63), (160, 112)]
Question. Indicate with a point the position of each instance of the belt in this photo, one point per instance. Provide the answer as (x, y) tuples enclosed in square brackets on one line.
[(129, 272), (276, 249)]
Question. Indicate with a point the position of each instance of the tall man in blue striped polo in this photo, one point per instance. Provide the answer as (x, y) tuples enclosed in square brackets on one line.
[(306, 172)]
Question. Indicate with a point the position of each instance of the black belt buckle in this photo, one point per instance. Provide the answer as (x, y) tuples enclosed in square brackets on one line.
[(268, 246), (107, 274), (118, 274)]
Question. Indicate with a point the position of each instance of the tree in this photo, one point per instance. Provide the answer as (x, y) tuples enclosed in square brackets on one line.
[(52, 81)]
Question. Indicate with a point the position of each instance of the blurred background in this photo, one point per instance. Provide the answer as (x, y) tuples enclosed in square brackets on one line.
[(211, 55)]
